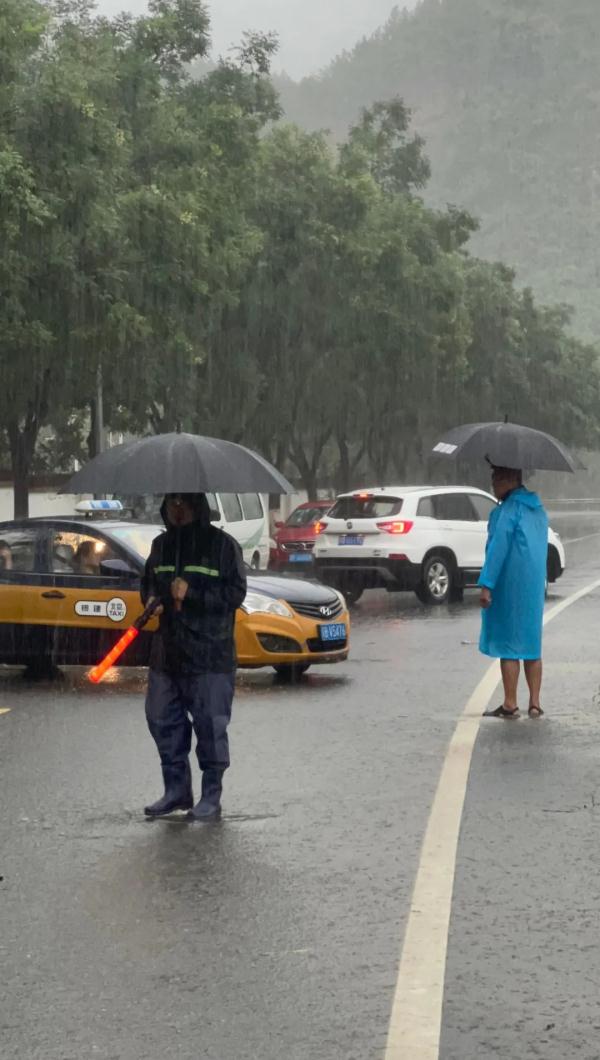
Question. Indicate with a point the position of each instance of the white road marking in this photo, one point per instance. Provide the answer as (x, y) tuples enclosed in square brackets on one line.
[(586, 537), (416, 1018), (5, 710)]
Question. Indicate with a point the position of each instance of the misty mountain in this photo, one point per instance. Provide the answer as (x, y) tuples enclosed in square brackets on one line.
[(507, 97), (311, 32)]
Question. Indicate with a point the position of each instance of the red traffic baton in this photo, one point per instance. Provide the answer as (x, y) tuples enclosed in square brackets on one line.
[(96, 675)]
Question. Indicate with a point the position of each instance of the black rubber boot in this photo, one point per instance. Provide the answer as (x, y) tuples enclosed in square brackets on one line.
[(209, 807), (178, 794)]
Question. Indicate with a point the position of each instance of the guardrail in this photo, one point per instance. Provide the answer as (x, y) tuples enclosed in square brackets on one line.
[(565, 505)]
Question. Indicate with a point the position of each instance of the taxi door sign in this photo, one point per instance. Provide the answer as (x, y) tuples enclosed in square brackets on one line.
[(115, 609)]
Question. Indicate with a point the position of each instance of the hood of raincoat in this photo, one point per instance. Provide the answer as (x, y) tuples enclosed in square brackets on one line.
[(199, 504), (521, 495)]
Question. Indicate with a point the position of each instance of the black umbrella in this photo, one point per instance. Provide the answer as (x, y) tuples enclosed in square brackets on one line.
[(507, 445), (178, 463)]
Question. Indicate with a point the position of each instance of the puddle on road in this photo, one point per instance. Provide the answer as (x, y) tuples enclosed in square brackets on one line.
[(226, 818)]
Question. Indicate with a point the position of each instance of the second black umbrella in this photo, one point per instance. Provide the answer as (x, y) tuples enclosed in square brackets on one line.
[(507, 445)]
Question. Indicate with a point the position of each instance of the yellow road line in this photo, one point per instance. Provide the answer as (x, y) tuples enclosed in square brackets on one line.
[(416, 1018), (5, 710)]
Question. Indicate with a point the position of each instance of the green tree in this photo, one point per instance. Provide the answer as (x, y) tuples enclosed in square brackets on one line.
[(60, 291)]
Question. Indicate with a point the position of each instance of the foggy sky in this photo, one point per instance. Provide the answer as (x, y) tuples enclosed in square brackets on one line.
[(312, 32)]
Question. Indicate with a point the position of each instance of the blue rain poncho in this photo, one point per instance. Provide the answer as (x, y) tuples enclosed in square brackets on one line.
[(515, 573)]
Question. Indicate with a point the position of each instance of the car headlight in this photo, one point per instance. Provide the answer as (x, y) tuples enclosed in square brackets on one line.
[(258, 603), (341, 598)]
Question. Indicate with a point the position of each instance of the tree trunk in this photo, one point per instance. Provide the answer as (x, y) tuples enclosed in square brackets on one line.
[(309, 468), (91, 438), (343, 477), (348, 465), (21, 494), (22, 440), (21, 454), (309, 482)]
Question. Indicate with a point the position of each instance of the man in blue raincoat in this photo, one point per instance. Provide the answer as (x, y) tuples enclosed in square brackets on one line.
[(513, 588)]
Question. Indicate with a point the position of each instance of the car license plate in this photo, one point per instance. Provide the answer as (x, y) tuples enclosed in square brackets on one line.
[(300, 557), (333, 631), (352, 539)]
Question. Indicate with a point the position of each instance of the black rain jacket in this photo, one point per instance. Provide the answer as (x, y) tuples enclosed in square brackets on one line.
[(199, 639)]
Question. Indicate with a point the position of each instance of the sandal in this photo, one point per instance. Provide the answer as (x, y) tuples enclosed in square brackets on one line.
[(535, 712), (502, 712)]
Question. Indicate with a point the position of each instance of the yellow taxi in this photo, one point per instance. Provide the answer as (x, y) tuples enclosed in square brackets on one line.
[(69, 587)]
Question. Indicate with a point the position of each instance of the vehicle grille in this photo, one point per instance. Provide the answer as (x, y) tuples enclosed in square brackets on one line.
[(324, 647), (297, 546), (284, 645), (334, 609)]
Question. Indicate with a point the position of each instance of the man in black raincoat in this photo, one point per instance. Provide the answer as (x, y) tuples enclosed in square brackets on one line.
[(197, 572)]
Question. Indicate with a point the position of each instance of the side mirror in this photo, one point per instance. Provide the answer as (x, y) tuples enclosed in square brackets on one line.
[(118, 568), (215, 515), (279, 524)]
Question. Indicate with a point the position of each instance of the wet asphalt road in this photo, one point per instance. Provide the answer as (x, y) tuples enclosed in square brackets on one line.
[(278, 932)]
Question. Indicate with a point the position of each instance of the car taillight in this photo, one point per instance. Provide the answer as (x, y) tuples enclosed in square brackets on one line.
[(395, 526), (320, 527)]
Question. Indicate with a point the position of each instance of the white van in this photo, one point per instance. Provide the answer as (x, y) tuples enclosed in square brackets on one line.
[(244, 516)]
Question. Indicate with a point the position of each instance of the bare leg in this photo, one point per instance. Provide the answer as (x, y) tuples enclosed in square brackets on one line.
[(510, 678), (533, 675)]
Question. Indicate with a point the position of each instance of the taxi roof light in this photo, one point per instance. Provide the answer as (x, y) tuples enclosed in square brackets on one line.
[(100, 508)]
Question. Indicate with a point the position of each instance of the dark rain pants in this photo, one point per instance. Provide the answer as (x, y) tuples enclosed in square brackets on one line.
[(171, 702)]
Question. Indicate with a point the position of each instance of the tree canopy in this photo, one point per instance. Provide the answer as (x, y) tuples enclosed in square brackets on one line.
[(225, 272)]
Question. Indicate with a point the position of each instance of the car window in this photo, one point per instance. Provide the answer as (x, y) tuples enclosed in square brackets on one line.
[(483, 506), (454, 506), (305, 516), (137, 538), (18, 550), (251, 506), (232, 509), (425, 507), (213, 503), (72, 552), (365, 507)]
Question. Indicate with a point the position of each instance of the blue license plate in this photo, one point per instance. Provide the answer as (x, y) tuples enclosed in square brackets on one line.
[(333, 631), (300, 557), (352, 539)]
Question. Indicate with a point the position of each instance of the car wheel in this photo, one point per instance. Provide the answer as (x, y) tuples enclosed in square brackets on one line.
[(255, 562), (436, 584), (352, 594), (290, 672), (552, 565)]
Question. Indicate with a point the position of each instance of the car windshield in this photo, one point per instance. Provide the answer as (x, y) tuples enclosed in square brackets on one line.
[(366, 507), (136, 538), (305, 516)]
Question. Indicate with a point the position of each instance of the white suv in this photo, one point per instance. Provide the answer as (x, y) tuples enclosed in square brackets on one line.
[(428, 539)]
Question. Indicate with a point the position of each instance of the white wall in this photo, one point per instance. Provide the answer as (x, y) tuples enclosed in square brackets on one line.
[(39, 503)]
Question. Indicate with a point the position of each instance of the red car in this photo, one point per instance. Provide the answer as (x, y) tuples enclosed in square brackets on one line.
[(295, 539)]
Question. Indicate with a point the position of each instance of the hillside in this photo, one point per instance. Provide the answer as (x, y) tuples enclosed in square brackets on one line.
[(507, 96)]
